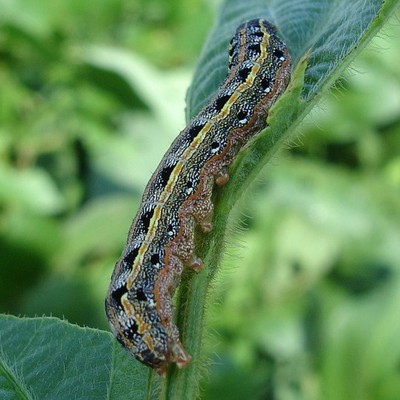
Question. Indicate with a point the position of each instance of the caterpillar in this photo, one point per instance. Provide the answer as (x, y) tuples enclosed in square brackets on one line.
[(177, 199)]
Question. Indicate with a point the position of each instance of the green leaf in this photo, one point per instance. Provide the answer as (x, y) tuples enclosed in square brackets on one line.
[(353, 349), (46, 358), (31, 189), (143, 79), (335, 32)]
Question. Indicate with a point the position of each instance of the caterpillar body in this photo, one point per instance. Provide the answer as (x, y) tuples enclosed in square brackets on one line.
[(177, 198)]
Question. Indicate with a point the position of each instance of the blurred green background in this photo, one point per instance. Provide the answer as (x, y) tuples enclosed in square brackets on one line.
[(307, 304)]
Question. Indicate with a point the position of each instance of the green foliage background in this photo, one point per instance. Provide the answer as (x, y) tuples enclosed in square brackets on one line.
[(307, 302)]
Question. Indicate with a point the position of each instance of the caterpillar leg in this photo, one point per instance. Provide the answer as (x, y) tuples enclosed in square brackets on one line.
[(222, 177), (195, 263)]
